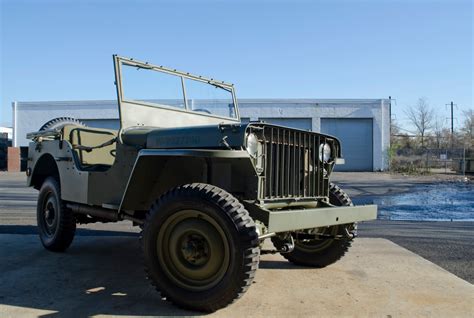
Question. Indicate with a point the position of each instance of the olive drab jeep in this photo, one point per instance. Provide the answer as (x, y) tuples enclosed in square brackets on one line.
[(205, 188)]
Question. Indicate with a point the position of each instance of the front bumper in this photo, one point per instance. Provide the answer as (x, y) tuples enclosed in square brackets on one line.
[(291, 220)]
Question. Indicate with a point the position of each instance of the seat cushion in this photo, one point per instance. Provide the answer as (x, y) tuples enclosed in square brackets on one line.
[(136, 136)]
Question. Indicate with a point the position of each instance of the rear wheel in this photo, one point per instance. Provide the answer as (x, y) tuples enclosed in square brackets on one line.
[(323, 252), (200, 247), (56, 223)]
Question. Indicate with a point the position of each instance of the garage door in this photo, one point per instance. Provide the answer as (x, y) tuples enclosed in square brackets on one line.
[(300, 123), (356, 137)]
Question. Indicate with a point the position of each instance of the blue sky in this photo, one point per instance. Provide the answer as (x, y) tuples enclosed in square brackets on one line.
[(62, 50)]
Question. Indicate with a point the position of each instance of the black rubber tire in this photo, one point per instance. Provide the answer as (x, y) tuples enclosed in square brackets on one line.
[(61, 237), (335, 249), (61, 121), (239, 229)]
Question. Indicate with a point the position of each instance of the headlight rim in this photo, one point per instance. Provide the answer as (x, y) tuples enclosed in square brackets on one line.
[(325, 152), (251, 143)]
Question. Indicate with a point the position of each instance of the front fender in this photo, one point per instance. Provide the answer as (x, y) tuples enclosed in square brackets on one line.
[(157, 170)]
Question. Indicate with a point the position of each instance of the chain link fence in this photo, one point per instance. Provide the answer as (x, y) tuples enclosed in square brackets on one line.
[(427, 160)]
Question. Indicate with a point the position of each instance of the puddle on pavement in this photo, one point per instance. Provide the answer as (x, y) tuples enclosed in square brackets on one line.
[(436, 202)]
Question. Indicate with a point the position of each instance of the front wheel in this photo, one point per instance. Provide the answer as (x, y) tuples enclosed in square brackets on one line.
[(323, 252), (200, 247), (56, 223)]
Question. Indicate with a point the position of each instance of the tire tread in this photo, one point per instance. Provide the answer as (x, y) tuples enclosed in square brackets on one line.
[(67, 222), (245, 227)]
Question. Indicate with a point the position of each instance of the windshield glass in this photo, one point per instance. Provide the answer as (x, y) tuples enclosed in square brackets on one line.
[(151, 87), (209, 99), (158, 88)]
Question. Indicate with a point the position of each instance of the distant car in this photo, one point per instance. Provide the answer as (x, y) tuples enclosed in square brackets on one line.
[(206, 189)]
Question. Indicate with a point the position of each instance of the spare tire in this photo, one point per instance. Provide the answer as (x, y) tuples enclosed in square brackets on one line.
[(60, 122)]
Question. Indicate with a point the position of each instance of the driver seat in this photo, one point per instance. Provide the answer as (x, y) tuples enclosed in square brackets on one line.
[(95, 159)]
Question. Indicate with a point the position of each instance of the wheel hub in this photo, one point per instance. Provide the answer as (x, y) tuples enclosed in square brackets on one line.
[(49, 213), (195, 249), (49, 217)]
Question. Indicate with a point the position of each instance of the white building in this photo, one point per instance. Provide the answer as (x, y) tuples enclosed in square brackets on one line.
[(362, 125)]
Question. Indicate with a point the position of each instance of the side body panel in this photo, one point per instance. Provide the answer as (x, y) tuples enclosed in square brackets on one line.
[(74, 183), (87, 187), (107, 187)]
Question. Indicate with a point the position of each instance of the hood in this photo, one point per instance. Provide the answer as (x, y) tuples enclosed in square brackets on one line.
[(213, 136)]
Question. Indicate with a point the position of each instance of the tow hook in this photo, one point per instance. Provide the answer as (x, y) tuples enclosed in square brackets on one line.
[(349, 235), (287, 247)]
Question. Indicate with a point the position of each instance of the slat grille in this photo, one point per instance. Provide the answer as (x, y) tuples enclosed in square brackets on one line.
[(292, 168)]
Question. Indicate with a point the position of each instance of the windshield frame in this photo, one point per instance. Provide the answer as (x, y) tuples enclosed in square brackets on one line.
[(120, 61)]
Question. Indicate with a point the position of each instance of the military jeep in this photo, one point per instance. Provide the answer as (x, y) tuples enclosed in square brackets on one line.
[(206, 189)]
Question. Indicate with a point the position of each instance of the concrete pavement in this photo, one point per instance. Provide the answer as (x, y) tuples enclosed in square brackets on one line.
[(447, 244), (103, 276)]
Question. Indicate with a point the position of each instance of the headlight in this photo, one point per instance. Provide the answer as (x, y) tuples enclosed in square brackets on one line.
[(252, 145), (324, 152)]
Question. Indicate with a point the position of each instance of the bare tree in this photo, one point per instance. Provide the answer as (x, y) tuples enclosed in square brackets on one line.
[(421, 116), (394, 130), (438, 131), (468, 127)]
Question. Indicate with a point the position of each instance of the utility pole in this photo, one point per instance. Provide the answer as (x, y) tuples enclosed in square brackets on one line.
[(452, 122), (390, 132)]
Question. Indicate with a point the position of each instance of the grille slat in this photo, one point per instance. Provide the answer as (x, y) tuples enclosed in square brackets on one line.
[(314, 165), (298, 172), (310, 165), (282, 165), (287, 162), (277, 170), (305, 166), (269, 174), (294, 163)]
